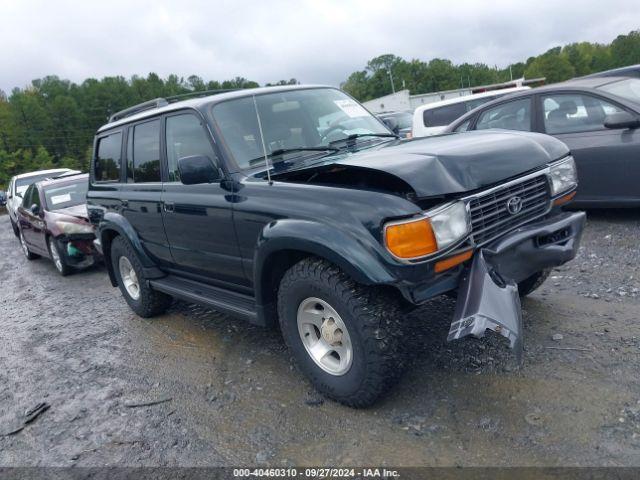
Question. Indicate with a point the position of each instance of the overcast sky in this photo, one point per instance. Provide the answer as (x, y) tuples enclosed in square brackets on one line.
[(313, 41)]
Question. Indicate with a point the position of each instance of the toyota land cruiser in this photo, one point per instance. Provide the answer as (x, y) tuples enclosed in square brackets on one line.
[(295, 206)]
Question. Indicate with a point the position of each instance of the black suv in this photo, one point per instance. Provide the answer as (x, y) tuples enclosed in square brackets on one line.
[(295, 206)]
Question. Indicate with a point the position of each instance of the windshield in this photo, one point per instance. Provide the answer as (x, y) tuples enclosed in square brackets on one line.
[(67, 195), (295, 119), (23, 183), (628, 88)]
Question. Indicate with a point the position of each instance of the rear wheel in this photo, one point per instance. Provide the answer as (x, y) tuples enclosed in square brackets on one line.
[(25, 247), (529, 285), (142, 299), (346, 338), (58, 258)]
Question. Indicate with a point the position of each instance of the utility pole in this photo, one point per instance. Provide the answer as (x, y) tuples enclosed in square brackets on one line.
[(393, 88), (510, 73)]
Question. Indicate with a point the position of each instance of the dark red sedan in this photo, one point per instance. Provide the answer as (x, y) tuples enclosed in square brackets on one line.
[(53, 223)]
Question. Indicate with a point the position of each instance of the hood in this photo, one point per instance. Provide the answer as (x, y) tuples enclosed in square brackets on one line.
[(461, 162), (78, 211)]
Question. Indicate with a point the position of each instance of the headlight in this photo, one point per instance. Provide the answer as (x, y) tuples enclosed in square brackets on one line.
[(563, 176), (70, 228), (436, 230)]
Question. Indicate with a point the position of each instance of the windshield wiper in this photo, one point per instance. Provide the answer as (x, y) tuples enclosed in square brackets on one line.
[(282, 151), (353, 136)]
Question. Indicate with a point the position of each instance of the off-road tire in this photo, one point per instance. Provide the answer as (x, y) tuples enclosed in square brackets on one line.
[(528, 285), (373, 318), (16, 232), (25, 249), (64, 269), (150, 302)]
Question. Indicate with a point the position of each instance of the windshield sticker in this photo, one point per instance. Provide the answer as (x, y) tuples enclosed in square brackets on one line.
[(351, 108), (56, 199)]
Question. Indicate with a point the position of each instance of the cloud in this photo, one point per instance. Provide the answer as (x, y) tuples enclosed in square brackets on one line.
[(315, 41)]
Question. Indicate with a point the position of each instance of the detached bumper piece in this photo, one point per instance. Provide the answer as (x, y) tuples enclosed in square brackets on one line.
[(79, 251), (488, 293)]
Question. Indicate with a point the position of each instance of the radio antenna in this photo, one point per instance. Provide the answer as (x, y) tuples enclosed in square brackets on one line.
[(264, 148)]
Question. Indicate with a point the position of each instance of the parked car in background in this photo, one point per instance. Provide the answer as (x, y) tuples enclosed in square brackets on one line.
[(432, 118), (19, 184), (598, 118), (630, 71), (3, 198), (53, 222), (247, 202), (399, 122)]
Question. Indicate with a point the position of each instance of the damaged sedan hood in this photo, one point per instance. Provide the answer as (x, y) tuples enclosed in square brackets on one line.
[(462, 162), (77, 211)]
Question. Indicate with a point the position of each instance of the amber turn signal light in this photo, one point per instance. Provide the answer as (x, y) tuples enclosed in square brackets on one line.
[(452, 261), (410, 239), (565, 199)]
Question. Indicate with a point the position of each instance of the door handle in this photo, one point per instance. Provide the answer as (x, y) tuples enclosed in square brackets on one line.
[(169, 207)]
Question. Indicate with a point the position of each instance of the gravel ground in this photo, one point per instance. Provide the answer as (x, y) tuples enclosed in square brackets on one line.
[(229, 394)]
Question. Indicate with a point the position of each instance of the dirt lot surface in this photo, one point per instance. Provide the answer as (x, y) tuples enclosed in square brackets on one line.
[(230, 395)]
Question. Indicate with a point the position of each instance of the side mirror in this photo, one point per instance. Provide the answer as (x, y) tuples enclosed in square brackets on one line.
[(392, 123), (197, 169), (621, 120), (35, 209)]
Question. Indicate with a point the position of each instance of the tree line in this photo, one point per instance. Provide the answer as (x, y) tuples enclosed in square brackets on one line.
[(51, 122), (557, 64)]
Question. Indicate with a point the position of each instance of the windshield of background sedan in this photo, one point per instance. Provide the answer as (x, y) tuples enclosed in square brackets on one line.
[(67, 195), (295, 119), (628, 88), (23, 183)]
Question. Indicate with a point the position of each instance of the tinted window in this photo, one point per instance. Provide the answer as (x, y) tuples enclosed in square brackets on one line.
[(514, 115), (185, 138), (471, 104), (23, 183), (144, 157), (438, 117), (67, 195), (107, 163), (567, 113)]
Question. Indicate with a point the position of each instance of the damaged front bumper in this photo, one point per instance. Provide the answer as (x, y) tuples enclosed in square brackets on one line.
[(488, 291), (79, 250)]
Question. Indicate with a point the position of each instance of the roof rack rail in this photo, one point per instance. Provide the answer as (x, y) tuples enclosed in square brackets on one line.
[(141, 107), (161, 102), (200, 93)]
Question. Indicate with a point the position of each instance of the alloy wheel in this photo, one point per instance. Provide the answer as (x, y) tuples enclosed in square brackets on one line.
[(325, 336)]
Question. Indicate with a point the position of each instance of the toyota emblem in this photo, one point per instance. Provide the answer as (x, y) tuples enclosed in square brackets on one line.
[(514, 205)]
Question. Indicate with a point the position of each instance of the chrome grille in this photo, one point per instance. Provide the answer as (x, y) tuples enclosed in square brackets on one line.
[(489, 214)]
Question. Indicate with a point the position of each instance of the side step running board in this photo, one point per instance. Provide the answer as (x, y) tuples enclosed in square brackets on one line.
[(233, 303)]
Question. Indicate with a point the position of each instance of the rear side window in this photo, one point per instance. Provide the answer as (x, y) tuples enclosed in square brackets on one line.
[(185, 138), (514, 115), (143, 153), (107, 162), (441, 116)]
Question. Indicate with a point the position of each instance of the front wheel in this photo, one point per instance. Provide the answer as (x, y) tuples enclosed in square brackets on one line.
[(58, 258), (142, 299), (345, 337)]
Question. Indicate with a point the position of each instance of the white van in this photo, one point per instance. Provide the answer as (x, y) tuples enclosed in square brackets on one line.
[(432, 118)]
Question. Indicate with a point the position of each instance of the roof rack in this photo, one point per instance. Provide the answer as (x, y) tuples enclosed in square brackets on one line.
[(141, 107), (161, 102)]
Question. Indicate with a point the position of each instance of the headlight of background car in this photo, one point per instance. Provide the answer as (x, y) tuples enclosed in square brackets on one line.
[(438, 229), (70, 228), (563, 176)]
